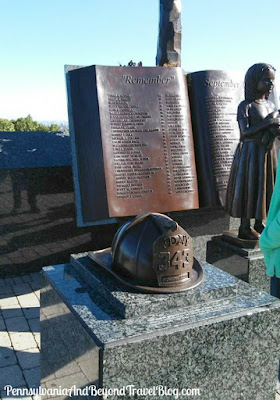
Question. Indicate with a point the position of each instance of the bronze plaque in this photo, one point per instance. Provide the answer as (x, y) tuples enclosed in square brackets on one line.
[(132, 130), (214, 98)]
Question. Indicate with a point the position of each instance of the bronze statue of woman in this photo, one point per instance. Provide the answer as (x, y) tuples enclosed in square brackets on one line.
[(252, 175)]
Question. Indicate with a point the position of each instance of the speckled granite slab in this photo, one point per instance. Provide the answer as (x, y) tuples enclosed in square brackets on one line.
[(216, 287), (228, 351), (246, 264), (243, 251)]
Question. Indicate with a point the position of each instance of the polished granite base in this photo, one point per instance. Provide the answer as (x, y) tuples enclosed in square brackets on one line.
[(227, 345), (244, 263), (129, 304)]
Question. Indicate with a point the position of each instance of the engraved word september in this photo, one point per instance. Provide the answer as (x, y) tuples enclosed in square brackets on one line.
[(220, 84)]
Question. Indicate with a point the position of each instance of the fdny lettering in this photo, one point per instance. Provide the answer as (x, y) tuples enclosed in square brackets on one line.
[(175, 241)]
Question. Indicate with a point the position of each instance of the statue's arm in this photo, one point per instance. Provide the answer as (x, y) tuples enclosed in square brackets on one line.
[(248, 130)]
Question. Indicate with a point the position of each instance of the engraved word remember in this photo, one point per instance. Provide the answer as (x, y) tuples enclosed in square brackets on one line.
[(157, 80)]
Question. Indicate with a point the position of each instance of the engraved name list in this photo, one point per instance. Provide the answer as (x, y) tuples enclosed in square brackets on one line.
[(147, 140)]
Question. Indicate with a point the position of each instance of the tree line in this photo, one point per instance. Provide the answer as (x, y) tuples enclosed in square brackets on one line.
[(26, 124)]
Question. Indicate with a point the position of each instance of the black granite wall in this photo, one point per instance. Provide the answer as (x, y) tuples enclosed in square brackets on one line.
[(37, 213)]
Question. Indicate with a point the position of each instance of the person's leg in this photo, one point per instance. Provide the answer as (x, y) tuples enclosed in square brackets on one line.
[(32, 191), (275, 287), (15, 178), (32, 201)]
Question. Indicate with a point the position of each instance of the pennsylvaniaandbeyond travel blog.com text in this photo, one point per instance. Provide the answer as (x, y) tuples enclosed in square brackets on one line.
[(106, 393)]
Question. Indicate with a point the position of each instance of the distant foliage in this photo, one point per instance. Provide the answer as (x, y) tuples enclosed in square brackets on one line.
[(26, 124), (6, 125), (133, 64)]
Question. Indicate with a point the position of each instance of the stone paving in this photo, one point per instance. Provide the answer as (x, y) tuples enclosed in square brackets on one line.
[(20, 333)]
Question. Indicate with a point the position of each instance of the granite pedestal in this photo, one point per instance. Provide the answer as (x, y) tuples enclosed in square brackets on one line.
[(221, 338), (202, 225), (244, 263)]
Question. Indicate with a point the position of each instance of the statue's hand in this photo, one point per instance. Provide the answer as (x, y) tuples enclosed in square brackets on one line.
[(270, 144), (276, 128), (273, 114), (266, 138), (275, 121)]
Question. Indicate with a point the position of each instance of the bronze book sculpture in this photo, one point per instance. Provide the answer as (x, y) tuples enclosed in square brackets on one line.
[(142, 136)]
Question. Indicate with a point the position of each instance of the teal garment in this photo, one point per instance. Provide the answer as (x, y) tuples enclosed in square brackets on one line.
[(270, 238)]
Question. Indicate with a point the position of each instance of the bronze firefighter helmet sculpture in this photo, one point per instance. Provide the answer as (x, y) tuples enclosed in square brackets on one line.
[(152, 254)]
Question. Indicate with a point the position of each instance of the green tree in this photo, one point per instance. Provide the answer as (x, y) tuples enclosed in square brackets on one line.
[(6, 125), (27, 124), (54, 128)]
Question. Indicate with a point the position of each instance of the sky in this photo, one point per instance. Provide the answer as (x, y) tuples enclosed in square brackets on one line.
[(37, 38)]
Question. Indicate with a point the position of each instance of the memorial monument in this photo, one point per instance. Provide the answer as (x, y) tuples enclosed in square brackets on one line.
[(146, 316), (128, 306)]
